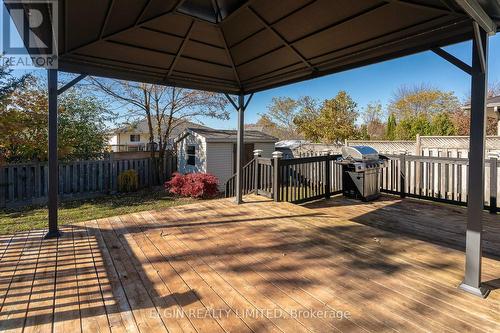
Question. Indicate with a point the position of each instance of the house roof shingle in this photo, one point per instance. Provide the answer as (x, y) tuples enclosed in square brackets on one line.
[(231, 135), (141, 127), (493, 100)]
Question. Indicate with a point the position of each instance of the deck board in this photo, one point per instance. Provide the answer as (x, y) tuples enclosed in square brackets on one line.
[(17, 297), (92, 309), (391, 265), (66, 303)]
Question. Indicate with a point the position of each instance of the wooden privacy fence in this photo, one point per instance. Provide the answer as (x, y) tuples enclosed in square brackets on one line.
[(27, 184), (305, 179)]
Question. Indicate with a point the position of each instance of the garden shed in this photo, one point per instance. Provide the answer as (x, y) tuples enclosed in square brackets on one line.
[(214, 151)]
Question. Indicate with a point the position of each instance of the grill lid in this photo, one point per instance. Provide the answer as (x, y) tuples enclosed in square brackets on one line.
[(359, 153)]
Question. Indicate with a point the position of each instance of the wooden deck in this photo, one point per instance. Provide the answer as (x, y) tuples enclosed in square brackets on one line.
[(339, 265)]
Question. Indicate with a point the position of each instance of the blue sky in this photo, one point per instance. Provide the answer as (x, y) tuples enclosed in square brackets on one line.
[(378, 82)]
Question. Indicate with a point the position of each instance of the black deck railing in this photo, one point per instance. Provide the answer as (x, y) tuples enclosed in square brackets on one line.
[(299, 180), (248, 181), (308, 178), (443, 179)]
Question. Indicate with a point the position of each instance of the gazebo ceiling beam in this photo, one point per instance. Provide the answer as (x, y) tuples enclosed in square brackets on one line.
[(216, 8), (403, 2), (449, 4), (191, 39), (335, 59), (71, 83), (477, 13), (221, 84), (230, 99), (230, 57), (480, 49), (180, 50), (282, 39), (106, 19), (143, 11), (419, 5), (334, 24), (248, 101), (272, 24), (298, 40), (452, 59), (167, 53), (137, 23)]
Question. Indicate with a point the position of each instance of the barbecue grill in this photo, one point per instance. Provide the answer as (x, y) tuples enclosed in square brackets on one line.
[(361, 166)]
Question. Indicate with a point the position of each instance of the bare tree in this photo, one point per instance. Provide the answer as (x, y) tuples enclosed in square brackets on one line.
[(494, 89), (165, 108), (372, 118)]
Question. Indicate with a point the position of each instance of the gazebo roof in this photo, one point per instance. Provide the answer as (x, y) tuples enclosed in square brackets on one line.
[(239, 46)]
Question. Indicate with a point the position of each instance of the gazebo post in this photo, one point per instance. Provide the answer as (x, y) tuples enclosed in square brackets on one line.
[(475, 200), (241, 106), (53, 162), (240, 149), (53, 201)]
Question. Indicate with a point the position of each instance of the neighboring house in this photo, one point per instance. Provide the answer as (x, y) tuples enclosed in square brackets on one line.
[(492, 110), (135, 137), (214, 151)]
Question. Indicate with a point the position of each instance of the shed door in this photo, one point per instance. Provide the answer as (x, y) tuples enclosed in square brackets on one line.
[(247, 156)]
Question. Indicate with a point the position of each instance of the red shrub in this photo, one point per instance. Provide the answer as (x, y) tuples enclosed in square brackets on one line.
[(194, 185)]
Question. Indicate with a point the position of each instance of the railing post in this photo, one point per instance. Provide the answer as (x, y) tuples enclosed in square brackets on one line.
[(256, 180), (277, 155), (493, 184), (328, 172), (402, 174)]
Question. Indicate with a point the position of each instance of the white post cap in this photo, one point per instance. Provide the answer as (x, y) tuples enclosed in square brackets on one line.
[(493, 154), (257, 152), (277, 154)]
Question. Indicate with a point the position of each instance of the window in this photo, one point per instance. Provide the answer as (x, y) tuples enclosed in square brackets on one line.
[(191, 155), (135, 138)]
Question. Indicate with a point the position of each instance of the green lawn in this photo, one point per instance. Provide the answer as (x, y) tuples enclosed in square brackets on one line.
[(78, 211)]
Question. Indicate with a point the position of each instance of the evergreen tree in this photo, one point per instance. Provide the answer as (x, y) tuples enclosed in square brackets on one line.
[(442, 124), (391, 127)]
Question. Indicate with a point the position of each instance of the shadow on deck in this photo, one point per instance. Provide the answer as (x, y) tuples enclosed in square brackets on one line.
[(262, 266)]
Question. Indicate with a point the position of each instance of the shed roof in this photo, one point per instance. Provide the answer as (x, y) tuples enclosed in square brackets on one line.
[(215, 135), (493, 101), (243, 46)]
